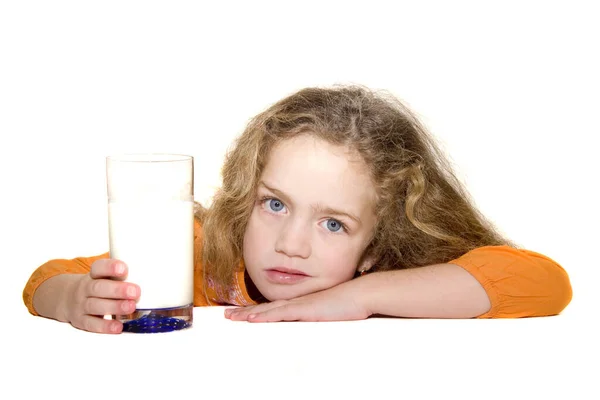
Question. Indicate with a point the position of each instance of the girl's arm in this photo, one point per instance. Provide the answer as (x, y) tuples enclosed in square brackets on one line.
[(487, 282), (83, 299), (436, 291)]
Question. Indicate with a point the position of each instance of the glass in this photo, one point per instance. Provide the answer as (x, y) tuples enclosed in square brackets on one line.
[(151, 229)]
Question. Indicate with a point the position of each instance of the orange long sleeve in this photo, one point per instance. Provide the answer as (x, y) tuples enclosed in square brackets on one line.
[(519, 283)]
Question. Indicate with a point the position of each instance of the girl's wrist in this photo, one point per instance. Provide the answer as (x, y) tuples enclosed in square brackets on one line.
[(365, 288)]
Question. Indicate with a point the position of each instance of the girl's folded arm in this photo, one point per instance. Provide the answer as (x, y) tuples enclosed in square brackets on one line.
[(488, 282), (433, 291)]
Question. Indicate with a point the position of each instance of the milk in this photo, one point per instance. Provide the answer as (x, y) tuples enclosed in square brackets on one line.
[(155, 238)]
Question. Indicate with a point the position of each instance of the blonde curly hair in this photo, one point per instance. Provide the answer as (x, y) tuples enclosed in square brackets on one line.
[(424, 215)]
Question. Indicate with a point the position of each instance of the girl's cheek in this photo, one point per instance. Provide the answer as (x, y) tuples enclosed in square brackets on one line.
[(341, 263)]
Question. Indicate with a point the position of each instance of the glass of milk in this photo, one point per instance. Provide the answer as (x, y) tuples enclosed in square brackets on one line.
[(151, 229)]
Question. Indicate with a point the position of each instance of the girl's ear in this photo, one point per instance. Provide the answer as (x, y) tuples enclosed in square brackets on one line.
[(365, 265)]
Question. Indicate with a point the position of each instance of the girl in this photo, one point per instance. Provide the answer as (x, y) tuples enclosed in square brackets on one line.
[(335, 205)]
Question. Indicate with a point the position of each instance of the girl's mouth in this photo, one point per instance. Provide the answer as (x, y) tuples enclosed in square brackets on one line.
[(285, 276)]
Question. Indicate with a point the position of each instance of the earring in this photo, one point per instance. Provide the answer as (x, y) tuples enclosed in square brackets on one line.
[(363, 272)]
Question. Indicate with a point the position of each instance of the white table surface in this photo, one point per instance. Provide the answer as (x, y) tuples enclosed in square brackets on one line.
[(533, 358)]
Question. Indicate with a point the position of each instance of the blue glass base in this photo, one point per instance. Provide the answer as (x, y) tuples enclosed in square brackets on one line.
[(157, 320)]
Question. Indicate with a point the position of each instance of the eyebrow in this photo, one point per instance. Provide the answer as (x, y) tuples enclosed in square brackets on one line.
[(316, 207)]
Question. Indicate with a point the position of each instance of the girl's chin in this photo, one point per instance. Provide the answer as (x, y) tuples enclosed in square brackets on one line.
[(282, 296), (273, 292), (282, 293)]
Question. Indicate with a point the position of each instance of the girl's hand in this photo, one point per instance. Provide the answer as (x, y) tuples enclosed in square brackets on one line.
[(339, 303), (98, 293)]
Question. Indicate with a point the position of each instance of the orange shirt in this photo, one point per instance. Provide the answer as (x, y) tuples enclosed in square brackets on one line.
[(519, 283)]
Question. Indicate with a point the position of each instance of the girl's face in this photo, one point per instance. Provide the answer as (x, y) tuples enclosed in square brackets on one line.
[(313, 218)]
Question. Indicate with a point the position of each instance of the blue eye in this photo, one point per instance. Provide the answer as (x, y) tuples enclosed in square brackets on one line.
[(275, 205), (333, 225)]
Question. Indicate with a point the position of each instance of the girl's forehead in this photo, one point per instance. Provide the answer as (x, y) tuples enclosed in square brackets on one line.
[(310, 168)]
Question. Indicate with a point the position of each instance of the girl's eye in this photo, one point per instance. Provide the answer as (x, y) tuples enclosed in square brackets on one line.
[(274, 205), (334, 225)]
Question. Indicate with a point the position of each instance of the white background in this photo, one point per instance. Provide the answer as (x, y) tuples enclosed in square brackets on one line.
[(509, 89)]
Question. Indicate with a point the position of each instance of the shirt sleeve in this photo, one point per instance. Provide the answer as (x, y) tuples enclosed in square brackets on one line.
[(519, 283)]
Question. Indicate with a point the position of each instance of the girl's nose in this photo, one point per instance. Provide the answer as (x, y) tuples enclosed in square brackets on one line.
[(294, 240)]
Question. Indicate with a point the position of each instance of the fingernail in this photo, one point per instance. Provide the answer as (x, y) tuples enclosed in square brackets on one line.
[(131, 291), (251, 316), (119, 268)]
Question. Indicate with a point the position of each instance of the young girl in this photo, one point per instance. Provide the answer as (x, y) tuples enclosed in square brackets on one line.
[(335, 205)]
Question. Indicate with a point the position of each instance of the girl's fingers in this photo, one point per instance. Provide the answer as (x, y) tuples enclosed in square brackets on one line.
[(242, 313), (287, 312), (108, 289), (96, 306), (108, 268), (91, 323)]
